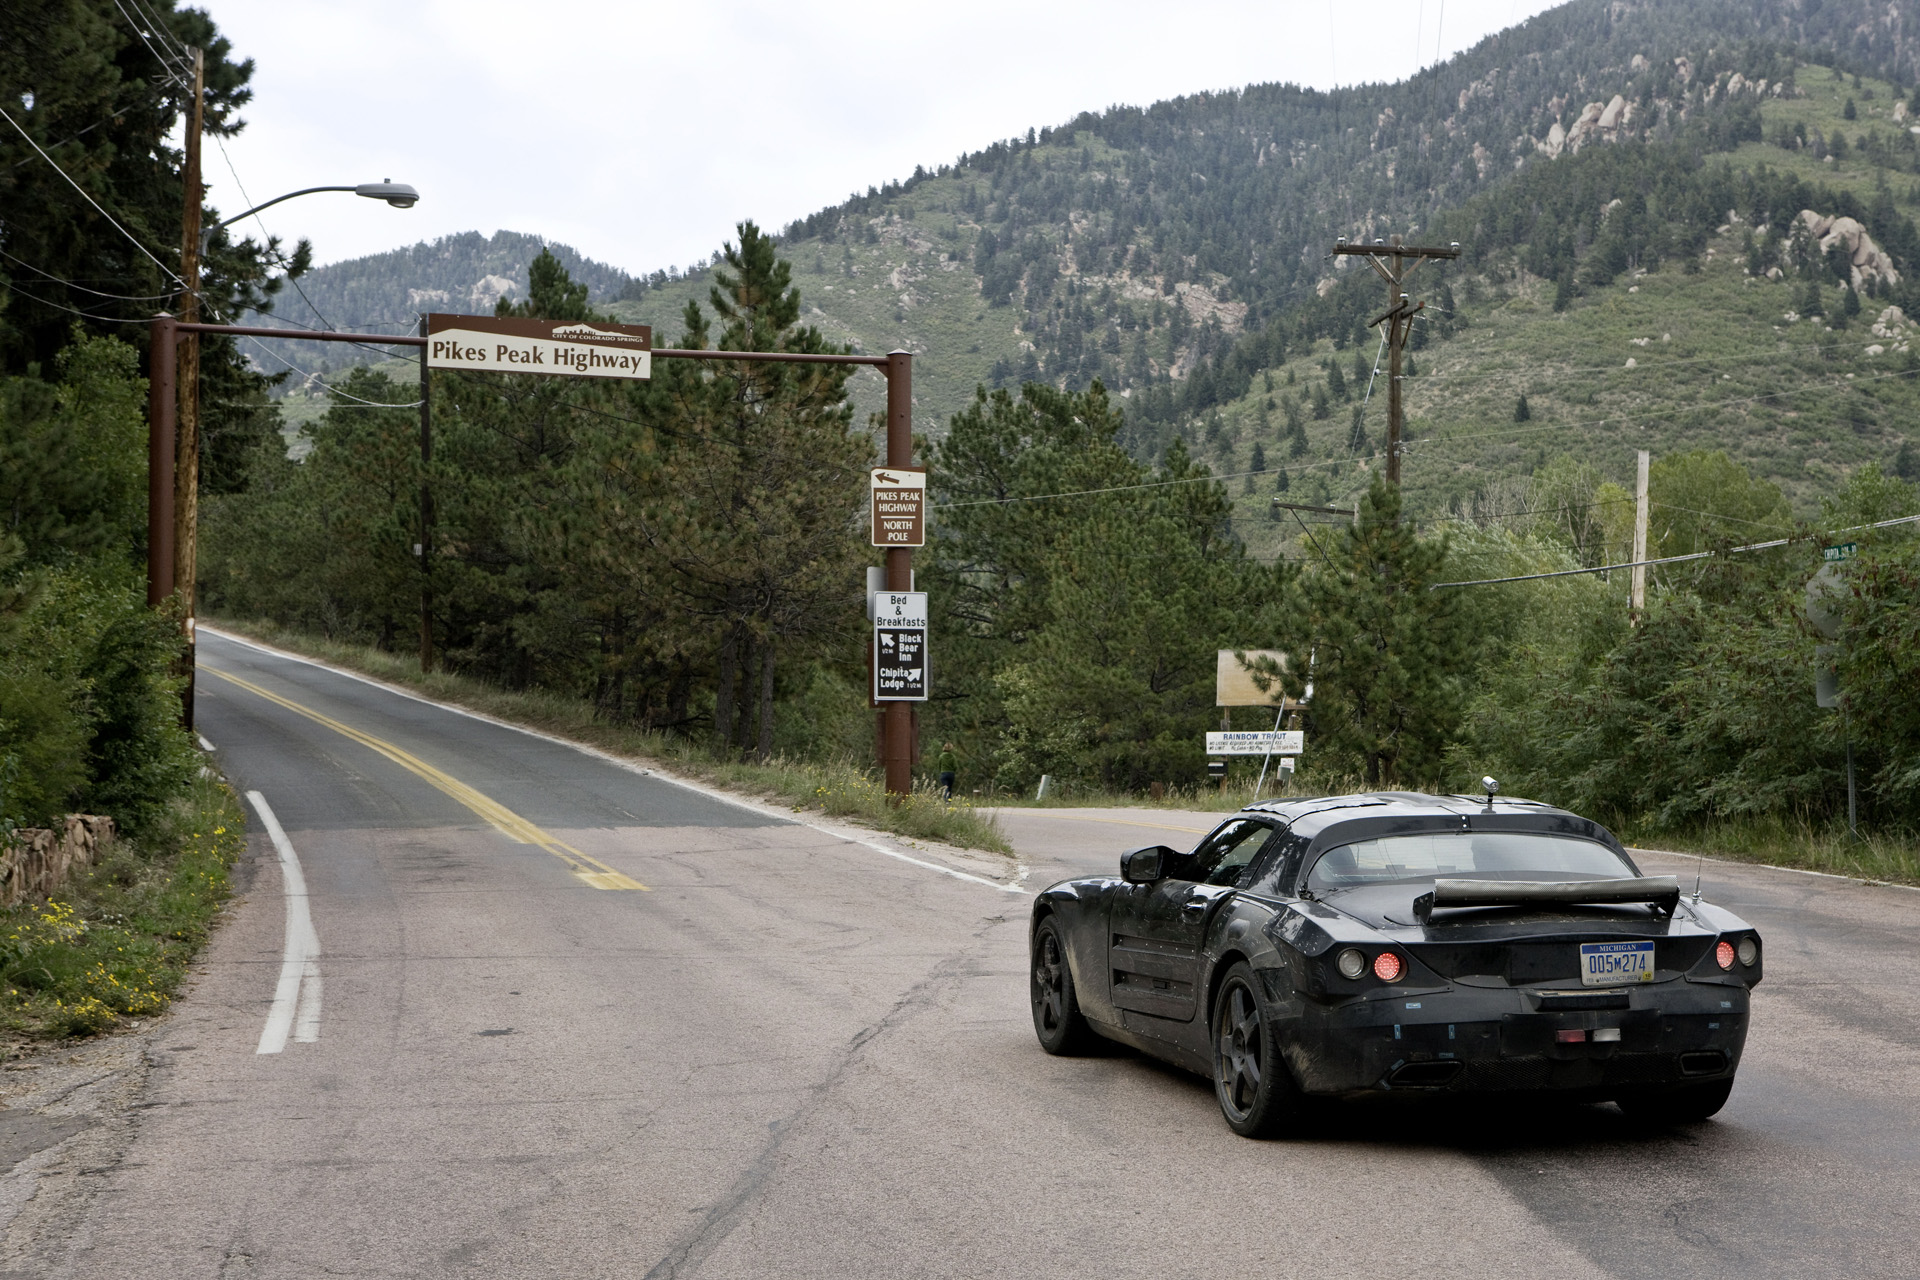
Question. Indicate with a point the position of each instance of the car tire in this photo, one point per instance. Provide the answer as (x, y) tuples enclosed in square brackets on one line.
[(1687, 1104), (1256, 1091), (1056, 1012)]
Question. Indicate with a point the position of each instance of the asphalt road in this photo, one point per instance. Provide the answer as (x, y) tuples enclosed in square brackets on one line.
[(555, 1016)]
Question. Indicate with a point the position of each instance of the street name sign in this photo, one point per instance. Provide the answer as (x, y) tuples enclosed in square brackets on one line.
[(1834, 555), (1280, 742), (900, 646), (557, 348), (899, 507)]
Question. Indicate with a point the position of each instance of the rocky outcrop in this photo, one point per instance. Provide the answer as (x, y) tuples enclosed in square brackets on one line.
[(1869, 261), (1893, 327), (1597, 122), (38, 860)]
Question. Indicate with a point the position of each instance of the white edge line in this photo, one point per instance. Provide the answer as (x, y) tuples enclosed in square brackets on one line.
[(204, 744), (301, 954), (649, 771)]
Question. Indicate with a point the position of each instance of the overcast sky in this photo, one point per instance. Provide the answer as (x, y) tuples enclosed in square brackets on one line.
[(641, 133)]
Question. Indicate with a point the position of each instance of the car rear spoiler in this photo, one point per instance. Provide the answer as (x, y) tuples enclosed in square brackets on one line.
[(1660, 892)]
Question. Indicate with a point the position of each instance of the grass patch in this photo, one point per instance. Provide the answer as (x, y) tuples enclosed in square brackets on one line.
[(841, 789), (116, 942), (1891, 857)]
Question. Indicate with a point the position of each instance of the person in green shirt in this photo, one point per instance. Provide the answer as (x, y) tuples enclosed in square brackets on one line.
[(948, 763)]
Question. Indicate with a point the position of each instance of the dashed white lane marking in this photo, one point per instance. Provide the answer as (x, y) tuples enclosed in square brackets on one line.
[(204, 744), (296, 998), (1017, 885)]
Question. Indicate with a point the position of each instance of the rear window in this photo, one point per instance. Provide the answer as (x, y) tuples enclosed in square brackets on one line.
[(1481, 855)]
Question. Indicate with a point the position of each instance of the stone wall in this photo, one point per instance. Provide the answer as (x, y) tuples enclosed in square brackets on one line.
[(39, 859)]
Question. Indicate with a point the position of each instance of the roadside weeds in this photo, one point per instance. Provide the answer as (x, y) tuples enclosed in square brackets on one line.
[(112, 947)]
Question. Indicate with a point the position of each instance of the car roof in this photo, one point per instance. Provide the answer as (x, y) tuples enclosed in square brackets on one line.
[(1310, 816)]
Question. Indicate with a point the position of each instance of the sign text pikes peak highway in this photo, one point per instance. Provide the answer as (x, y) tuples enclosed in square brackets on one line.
[(563, 348), (899, 507)]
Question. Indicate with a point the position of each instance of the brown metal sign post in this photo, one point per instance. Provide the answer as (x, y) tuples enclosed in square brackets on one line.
[(619, 351)]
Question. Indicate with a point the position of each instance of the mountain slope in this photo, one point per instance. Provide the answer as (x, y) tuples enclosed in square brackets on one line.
[(385, 292), (1178, 252)]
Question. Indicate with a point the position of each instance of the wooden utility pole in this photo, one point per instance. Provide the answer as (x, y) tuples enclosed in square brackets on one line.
[(186, 457), (425, 551), (1638, 599), (1395, 262)]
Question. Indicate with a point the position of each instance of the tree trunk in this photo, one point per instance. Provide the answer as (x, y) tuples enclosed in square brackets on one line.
[(746, 704), (766, 702), (723, 693)]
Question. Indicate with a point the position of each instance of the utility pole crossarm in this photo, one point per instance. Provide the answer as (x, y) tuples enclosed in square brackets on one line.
[(1398, 250)]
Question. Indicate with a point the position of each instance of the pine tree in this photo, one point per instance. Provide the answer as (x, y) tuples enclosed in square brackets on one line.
[(1390, 655), (1259, 463), (1563, 292), (1521, 413), (1357, 436), (1336, 381)]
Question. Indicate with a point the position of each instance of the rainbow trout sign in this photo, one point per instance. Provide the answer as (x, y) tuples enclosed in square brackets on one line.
[(559, 348)]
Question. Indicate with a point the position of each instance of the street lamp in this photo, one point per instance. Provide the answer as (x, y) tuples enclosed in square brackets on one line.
[(397, 194), (193, 247)]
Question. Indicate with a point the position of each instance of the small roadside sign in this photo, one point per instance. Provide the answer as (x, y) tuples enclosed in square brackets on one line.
[(557, 348), (1835, 554), (899, 506), (1279, 742), (900, 646)]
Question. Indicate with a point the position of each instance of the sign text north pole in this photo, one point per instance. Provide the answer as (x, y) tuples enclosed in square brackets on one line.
[(900, 646), (899, 507), (560, 348)]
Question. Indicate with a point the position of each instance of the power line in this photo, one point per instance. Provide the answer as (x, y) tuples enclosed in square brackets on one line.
[(61, 306), (314, 378), (1626, 418), (90, 200), (147, 38), (1695, 555), (48, 275), (241, 187)]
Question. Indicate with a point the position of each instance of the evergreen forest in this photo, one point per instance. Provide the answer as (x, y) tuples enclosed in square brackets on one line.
[(1147, 398)]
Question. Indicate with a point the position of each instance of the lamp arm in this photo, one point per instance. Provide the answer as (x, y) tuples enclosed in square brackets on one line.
[(206, 235)]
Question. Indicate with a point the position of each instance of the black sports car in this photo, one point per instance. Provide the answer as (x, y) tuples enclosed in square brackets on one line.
[(1401, 944)]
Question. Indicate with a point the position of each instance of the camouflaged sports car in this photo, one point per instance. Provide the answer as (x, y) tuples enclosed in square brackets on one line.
[(1401, 944)]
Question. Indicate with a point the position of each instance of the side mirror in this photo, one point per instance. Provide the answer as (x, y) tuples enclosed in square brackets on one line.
[(1144, 866)]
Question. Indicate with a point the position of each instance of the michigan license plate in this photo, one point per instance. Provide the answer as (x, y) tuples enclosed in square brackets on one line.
[(1608, 964)]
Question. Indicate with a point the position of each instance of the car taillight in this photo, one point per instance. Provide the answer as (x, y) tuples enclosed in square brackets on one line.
[(1748, 950), (1723, 954), (1352, 962), (1387, 967)]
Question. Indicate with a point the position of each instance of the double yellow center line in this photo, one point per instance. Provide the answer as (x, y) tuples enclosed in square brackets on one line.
[(504, 820)]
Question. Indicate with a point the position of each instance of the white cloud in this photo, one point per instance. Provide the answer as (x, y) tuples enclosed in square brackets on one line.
[(640, 133)]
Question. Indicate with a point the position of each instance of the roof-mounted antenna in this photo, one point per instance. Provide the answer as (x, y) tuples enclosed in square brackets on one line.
[(1700, 861), (1492, 787)]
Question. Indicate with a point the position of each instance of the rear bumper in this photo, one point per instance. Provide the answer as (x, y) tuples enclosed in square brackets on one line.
[(1509, 1040)]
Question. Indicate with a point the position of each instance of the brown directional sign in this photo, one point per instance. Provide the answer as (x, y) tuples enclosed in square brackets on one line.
[(557, 348), (899, 507)]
